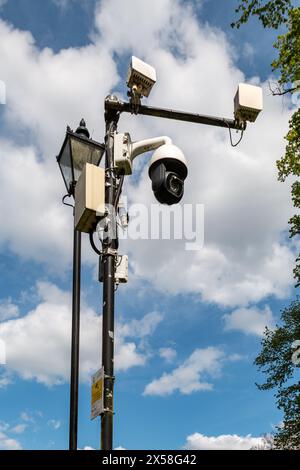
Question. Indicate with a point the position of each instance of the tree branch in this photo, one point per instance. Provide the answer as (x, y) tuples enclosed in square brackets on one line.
[(278, 91)]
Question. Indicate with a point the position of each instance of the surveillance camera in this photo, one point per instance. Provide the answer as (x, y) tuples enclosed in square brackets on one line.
[(141, 77), (248, 102), (168, 170)]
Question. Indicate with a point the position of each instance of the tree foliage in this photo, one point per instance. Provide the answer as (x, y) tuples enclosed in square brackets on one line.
[(281, 363), (271, 13)]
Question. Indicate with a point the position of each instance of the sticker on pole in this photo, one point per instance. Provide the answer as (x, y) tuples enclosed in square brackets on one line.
[(97, 405)]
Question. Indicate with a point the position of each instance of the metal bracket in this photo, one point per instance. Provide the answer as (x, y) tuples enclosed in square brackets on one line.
[(135, 100), (112, 377), (106, 410), (111, 104), (109, 251)]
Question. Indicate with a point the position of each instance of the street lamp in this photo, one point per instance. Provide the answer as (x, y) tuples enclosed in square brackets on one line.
[(77, 150)]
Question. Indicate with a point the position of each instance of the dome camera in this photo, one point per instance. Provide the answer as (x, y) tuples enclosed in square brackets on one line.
[(168, 170)]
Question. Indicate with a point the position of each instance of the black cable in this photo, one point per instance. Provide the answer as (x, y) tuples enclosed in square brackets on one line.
[(230, 135), (93, 244), (119, 190)]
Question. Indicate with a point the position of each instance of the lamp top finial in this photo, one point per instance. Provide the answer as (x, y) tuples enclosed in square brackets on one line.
[(82, 129)]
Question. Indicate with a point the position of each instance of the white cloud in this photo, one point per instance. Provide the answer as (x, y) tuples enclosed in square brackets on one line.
[(246, 210), (6, 442), (38, 344), (37, 224), (248, 51), (8, 310), (168, 354), (19, 428), (67, 85), (190, 376), (63, 4), (54, 423), (250, 320), (140, 328), (25, 416), (4, 381), (198, 441)]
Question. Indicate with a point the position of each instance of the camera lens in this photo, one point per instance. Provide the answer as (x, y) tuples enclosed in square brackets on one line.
[(174, 184)]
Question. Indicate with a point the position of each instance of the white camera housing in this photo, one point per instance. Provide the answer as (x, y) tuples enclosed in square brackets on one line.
[(168, 171), (125, 151), (141, 77), (248, 102)]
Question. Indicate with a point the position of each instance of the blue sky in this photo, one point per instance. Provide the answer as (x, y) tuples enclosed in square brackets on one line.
[(189, 324)]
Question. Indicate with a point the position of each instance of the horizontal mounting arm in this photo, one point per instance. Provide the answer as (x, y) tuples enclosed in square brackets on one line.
[(113, 103)]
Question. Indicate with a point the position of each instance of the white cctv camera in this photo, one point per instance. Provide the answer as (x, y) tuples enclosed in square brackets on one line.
[(141, 77), (168, 170), (248, 102)]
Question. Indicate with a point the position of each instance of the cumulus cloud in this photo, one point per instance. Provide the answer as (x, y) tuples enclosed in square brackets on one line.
[(252, 320), (246, 210), (8, 310), (66, 84), (191, 375), (37, 225), (31, 185), (19, 428), (6, 442), (199, 441), (168, 354), (38, 344), (54, 423), (4, 380)]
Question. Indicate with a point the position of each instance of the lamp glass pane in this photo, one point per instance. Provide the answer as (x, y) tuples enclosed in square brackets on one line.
[(83, 152), (65, 164)]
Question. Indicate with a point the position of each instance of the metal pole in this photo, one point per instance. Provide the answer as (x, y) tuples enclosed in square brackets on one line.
[(75, 341), (108, 258)]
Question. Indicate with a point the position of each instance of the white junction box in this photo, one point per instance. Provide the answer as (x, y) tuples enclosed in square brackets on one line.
[(89, 197), (248, 102), (121, 274), (122, 144), (121, 269)]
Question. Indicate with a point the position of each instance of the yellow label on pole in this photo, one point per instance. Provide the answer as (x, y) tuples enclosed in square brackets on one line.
[(97, 394)]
